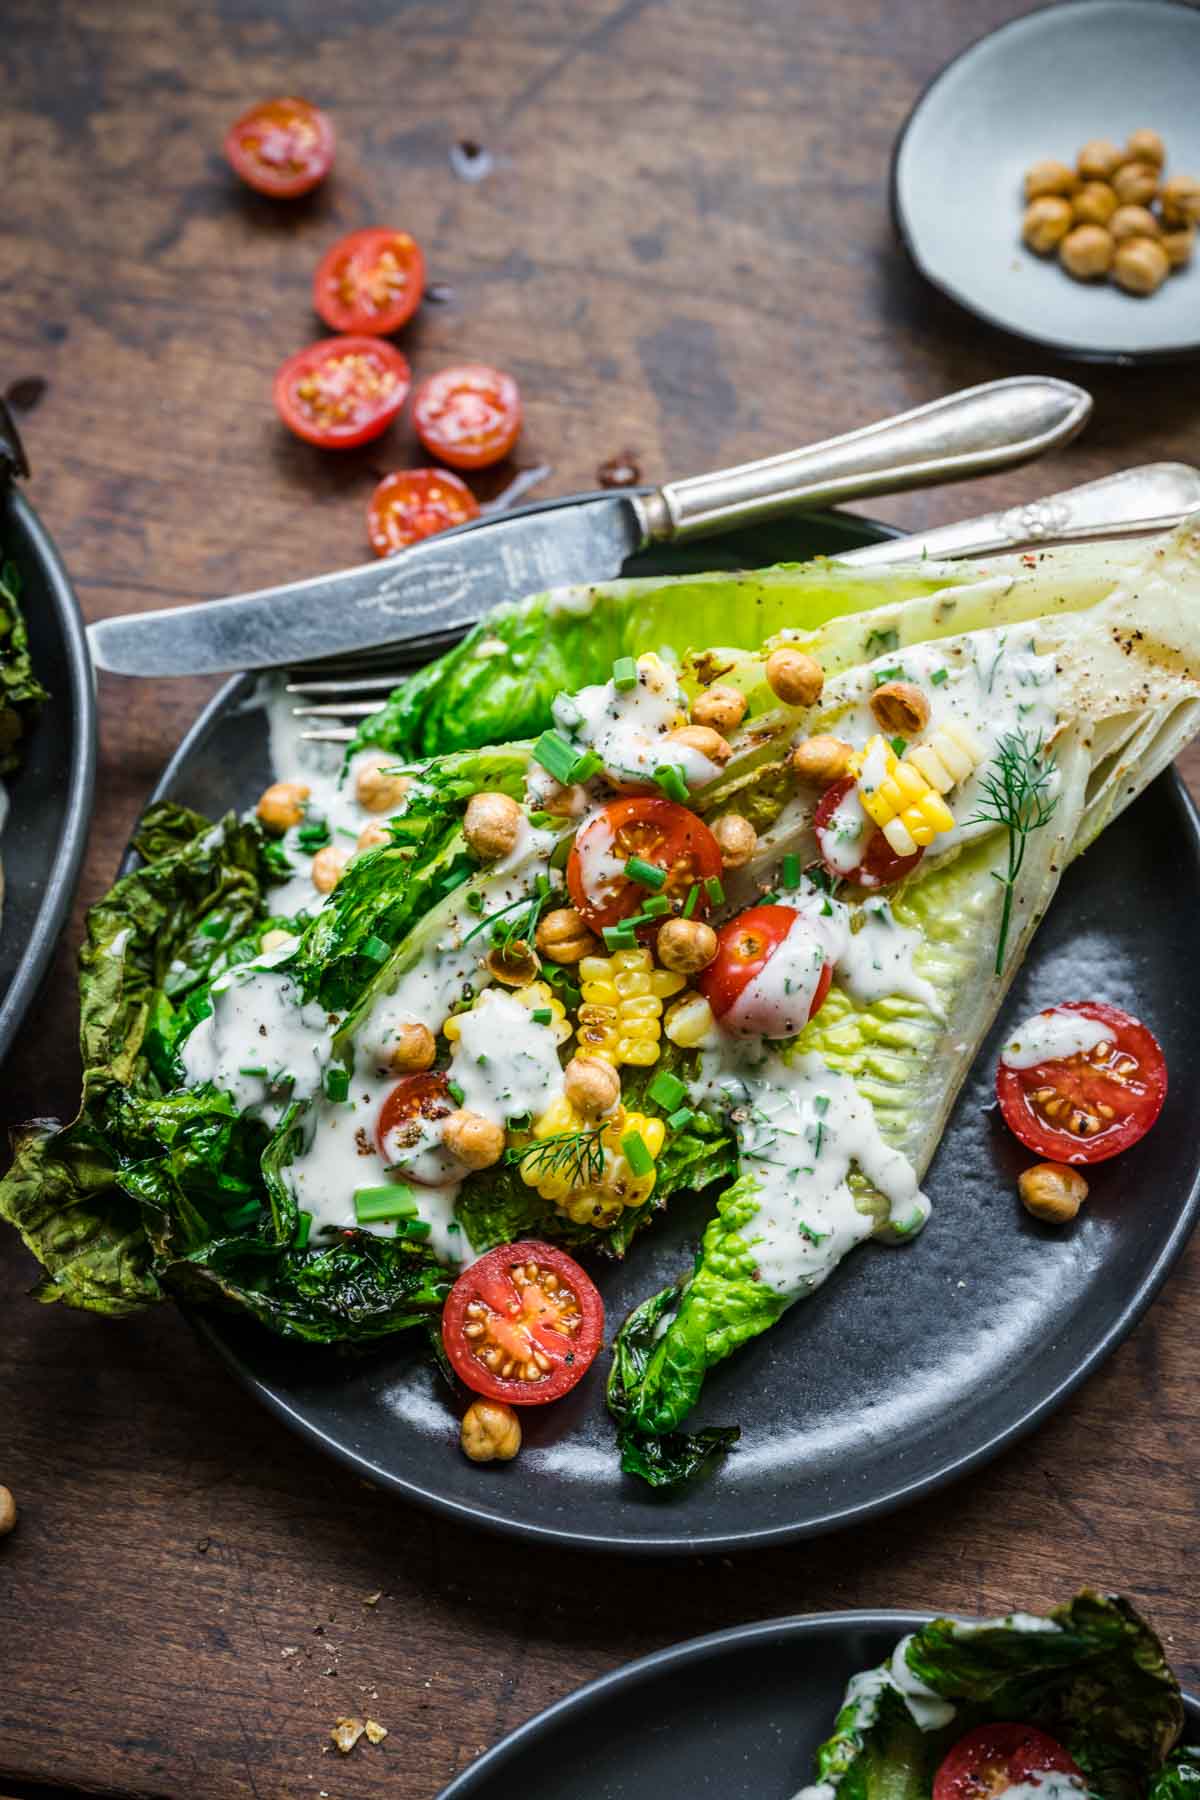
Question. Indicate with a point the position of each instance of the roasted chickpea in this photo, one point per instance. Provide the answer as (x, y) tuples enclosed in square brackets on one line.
[(413, 1049), (794, 678), (282, 805), (275, 940), (1094, 204), (820, 761), (492, 825), (1086, 252), (1098, 159), (1147, 147), (1180, 199), (1047, 221), (378, 791), (1049, 177), (515, 967), (563, 802), (593, 1087), (563, 937), (900, 708), (686, 946), (1052, 1191), (721, 708), (704, 740), (1135, 183), (1179, 245), (1133, 221), (736, 838), (328, 866), (491, 1431), (1140, 265), (478, 1143), (8, 1512), (372, 835)]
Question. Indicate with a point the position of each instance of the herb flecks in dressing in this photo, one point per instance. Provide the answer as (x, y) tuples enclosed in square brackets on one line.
[(628, 727)]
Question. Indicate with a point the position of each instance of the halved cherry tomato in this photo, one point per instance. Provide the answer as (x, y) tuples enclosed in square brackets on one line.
[(283, 147), (415, 503), (659, 832), (523, 1324), (414, 1097), (1087, 1107), (745, 945), (468, 417), (993, 1758), (370, 281), (342, 391), (880, 865)]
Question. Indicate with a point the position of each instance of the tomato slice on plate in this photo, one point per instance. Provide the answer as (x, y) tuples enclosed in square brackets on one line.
[(342, 391), (745, 945), (1086, 1107), (413, 1099), (469, 416), (993, 1758), (523, 1324), (879, 865), (283, 147), (660, 832), (414, 504), (370, 281)]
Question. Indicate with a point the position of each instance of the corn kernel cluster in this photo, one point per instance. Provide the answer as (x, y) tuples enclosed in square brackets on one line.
[(907, 802), (600, 1202), (620, 1018)]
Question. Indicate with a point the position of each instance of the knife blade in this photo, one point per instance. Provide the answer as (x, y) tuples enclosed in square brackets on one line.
[(437, 588)]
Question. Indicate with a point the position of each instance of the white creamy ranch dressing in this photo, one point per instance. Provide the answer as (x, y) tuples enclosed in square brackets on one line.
[(871, 952), (627, 727), (259, 1022), (1050, 1036), (800, 1126), (505, 1062), (927, 1707), (777, 1002), (1050, 1784)]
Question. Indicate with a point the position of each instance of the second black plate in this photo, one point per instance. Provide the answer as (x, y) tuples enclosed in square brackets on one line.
[(910, 1367)]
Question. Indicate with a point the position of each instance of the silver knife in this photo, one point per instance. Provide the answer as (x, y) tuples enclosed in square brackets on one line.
[(440, 586)]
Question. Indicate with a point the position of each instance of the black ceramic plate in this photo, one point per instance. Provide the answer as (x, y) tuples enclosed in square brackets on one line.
[(910, 1366), (736, 1715), (1040, 87), (51, 794)]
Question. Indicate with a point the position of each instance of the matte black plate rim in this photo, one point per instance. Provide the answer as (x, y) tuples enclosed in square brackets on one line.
[(793, 1627), (80, 703), (1064, 347), (682, 1543)]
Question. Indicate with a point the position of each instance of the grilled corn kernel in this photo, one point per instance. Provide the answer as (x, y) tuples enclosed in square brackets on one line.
[(904, 794), (689, 1021), (622, 995)]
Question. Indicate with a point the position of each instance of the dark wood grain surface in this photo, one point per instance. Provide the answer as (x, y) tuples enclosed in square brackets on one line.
[(682, 250)]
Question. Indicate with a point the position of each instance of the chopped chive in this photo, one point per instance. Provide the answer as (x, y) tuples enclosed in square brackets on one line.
[(679, 1121), (938, 676), (475, 901), (770, 898), (313, 835), (689, 905), (242, 1215), (666, 1089), (882, 675), (714, 891), (392, 1201), (543, 886), (337, 1082), (585, 766), (669, 777), (303, 1227), (791, 870), (542, 1015), (624, 673), (645, 874), (556, 755), (375, 949), (344, 832), (414, 1228), (254, 1069), (636, 1154), (656, 906), (619, 937), (899, 745), (544, 821), (821, 1105), (455, 1092)]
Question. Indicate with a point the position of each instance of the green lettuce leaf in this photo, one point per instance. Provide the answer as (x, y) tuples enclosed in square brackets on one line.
[(1179, 1777), (21, 693)]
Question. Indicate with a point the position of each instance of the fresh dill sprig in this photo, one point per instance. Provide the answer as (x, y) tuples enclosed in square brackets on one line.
[(1015, 795), (577, 1156)]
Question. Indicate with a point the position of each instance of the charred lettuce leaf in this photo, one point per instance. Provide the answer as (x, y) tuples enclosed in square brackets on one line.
[(21, 693), (1092, 1674), (663, 1459)]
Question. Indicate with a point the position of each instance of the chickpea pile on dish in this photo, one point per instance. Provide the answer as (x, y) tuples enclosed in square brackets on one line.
[(1114, 214), (379, 789)]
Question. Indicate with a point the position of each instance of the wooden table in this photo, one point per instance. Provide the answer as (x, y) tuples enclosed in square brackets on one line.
[(682, 249)]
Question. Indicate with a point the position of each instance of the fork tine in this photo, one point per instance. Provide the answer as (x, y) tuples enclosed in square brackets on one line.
[(352, 709), (333, 736), (362, 684)]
